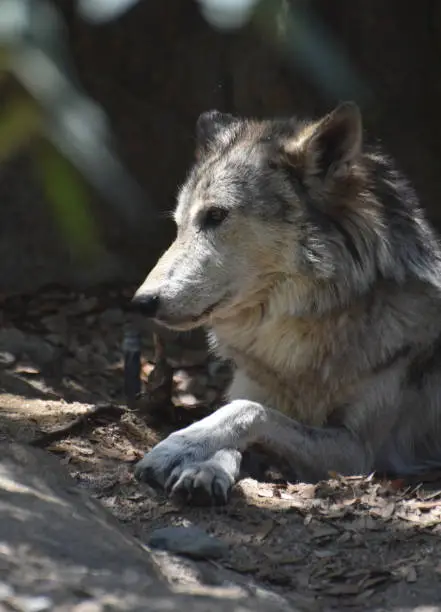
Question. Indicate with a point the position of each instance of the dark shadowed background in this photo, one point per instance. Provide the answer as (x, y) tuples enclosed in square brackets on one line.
[(158, 64)]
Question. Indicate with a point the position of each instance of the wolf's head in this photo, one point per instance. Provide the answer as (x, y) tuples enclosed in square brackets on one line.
[(274, 202)]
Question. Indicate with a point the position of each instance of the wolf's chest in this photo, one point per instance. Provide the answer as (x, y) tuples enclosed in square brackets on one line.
[(293, 365), (288, 347), (286, 378)]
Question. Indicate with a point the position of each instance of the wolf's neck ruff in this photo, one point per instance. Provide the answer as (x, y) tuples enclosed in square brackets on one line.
[(309, 366)]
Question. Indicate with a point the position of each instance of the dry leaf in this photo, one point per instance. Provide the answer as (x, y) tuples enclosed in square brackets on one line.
[(376, 578), (363, 596), (285, 559), (425, 505), (350, 502), (385, 512), (265, 529), (335, 475), (411, 517), (265, 493), (343, 589), (307, 491), (363, 523), (392, 486), (325, 554), (432, 495), (84, 451), (21, 368), (345, 537), (324, 531)]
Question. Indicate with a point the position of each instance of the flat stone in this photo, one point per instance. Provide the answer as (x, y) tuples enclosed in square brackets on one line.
[(6, 359), (190, 541), (56, 324), (82, 306), (17, 343), (12, 340)]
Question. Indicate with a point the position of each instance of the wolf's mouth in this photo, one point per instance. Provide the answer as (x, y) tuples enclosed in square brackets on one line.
[(192, 321)]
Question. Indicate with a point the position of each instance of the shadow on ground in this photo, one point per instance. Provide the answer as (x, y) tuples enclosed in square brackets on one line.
[(363, 542)]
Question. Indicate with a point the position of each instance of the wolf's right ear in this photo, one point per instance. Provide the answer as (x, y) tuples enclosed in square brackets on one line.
[(209, 128)]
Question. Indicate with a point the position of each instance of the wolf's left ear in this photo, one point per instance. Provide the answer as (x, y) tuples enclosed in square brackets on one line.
[(209, 128), (330, 147)]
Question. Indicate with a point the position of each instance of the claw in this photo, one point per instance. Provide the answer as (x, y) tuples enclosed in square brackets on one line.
[(219, 494), (171, 482), (147, 475)]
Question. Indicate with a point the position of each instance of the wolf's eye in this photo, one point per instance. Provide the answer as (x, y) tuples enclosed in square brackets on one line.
[(214, 217)]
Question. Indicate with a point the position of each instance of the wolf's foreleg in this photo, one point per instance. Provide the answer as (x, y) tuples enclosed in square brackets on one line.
[(202, 461)]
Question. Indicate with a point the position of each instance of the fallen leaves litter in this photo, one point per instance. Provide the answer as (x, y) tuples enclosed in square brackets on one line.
[(339, 542), (79, 425)]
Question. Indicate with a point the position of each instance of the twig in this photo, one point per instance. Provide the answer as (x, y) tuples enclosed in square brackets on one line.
[(156, 400), (159, 349), (79, 424), (155, 403)]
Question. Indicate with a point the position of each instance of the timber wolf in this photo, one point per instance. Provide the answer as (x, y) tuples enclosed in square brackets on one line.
[(307, 257)]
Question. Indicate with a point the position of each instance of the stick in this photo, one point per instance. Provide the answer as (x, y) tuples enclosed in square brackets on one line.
[(79, 424), (156, 401)]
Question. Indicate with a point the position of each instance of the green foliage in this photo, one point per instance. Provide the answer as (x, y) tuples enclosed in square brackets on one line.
[(69, 198), (23, 127), (20, 121)]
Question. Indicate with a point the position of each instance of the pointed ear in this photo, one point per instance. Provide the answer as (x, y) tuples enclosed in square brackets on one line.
[(328, 148), (209, 128)]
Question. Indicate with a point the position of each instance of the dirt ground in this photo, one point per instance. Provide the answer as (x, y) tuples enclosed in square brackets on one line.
[(367, 543)]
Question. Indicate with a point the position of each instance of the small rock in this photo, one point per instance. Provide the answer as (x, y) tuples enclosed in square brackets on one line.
[(32, 604), (56, 324), (99, 345), (190, 541), (6, 359), (82, 354), (98, 362), (5, 591), (72, 367), (14, 341), (56, 339), (411, 575), (82, 305)]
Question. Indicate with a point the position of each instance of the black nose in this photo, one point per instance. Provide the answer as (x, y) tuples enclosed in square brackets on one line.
[(146, 303)]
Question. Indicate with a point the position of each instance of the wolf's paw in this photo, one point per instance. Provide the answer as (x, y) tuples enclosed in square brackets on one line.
[(205, 483), (181, 467), (173, 453)]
